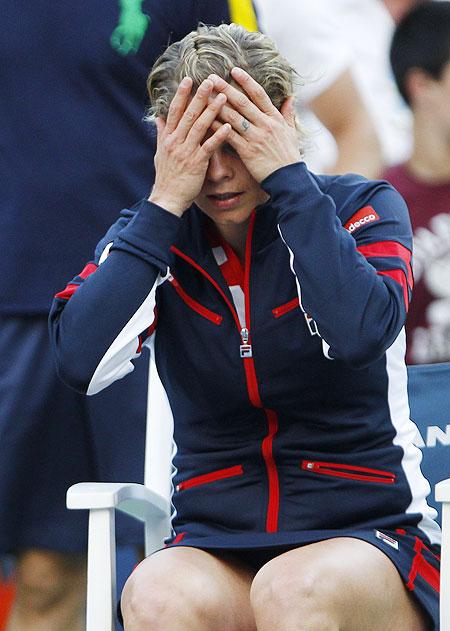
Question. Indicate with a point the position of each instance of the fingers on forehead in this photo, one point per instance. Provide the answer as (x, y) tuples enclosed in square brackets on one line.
[(238, 99), (185, 108), (233, 138), (201, 96), (230, 112), (178, 103), (252, 100), (183, 91), (253, 89)]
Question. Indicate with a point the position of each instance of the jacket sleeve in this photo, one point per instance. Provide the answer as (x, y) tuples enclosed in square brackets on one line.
[(350, 253), (99, 322)]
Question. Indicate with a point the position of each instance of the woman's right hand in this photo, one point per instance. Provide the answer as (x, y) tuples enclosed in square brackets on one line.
[(182, 158)]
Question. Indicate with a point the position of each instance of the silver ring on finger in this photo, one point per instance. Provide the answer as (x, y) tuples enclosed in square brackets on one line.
[(245, 124)]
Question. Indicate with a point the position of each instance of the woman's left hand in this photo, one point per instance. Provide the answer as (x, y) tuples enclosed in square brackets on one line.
[(265, 138)]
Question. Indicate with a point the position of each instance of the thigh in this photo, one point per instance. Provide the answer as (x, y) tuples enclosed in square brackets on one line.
[(194, 581), (354, 582)]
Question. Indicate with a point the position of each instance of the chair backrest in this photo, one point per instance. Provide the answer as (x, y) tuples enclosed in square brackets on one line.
[(159, 435), (429, 400)]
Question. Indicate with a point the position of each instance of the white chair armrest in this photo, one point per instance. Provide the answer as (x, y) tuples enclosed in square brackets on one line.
[(134, 499), (101, 499), (442, 494)]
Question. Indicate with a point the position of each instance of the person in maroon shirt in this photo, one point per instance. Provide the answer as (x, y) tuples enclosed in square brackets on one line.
[(420, 59)]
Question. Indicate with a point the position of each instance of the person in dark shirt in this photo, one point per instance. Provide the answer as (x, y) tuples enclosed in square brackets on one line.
[(74, 151), (420, 58)]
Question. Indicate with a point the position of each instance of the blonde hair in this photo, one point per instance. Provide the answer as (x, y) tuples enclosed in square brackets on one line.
[(216, 50)]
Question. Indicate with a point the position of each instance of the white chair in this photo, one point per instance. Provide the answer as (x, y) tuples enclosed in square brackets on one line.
[(443, 495), (151, 504)]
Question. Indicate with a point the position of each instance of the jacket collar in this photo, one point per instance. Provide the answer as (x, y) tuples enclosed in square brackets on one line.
[(193, 240)]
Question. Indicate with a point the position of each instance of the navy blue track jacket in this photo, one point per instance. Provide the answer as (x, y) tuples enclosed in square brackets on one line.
[(293, 418)]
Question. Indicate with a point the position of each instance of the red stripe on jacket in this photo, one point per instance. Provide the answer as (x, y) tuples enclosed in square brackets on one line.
[(399, 276), (392, 249), (389, 249), (71, 288)]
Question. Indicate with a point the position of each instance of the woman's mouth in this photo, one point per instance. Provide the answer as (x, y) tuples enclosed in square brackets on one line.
[(225, 200)]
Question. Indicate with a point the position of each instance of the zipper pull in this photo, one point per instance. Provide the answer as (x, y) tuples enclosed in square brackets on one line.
[(245, 348)]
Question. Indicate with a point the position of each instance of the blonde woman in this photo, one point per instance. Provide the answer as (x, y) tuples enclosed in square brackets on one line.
[(274, 301)]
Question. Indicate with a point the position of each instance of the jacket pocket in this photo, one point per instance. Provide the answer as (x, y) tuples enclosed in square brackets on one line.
[(353, 472), (213, 476), (288, 306), (194, 305)]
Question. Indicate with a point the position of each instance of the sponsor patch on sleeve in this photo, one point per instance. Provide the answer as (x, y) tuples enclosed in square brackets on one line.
[(387, 539), (361, 218)]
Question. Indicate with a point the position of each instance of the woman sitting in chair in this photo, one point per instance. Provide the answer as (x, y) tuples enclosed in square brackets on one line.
[(274, 301)]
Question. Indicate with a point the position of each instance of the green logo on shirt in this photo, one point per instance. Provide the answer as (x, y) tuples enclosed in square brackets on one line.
[(133, 24)]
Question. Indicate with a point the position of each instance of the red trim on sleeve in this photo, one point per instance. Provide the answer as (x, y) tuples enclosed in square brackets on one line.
[(88, 270), (68, 292), (389, 249), (399, 276), (71, 288)]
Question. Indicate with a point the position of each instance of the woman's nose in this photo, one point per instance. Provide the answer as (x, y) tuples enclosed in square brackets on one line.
[(219, 167)]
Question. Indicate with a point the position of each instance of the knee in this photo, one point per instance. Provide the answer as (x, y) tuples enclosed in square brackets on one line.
[(45, 579), (157, 601), (146, 601), (304, 596), (274, 588)]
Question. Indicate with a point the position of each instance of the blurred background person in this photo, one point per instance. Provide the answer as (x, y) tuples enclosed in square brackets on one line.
[(74, 151), (349, 103), (420, 57)]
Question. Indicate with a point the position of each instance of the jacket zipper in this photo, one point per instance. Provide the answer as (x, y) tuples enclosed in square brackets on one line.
[(273, 504), (354, 472), (206, 478), (246, 353)]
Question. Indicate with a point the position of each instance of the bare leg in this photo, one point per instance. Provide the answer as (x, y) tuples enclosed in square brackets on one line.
[(340, 584), (184, 589), (51, 592)]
